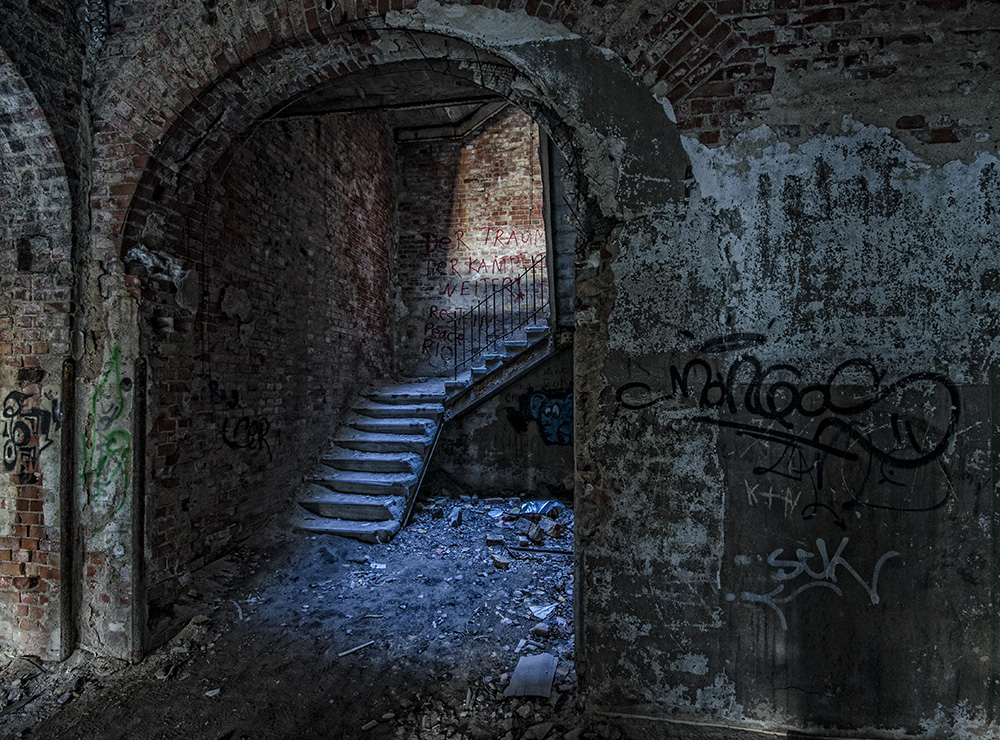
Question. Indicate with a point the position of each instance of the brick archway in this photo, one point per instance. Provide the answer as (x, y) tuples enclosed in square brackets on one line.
[(205, 61), (155, 149)]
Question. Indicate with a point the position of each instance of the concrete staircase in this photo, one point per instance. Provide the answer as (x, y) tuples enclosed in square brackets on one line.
[(492, 372), (367, 480)]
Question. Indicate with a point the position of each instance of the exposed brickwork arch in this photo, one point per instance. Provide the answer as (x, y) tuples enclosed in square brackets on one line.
[(35, 244), (169, 83)]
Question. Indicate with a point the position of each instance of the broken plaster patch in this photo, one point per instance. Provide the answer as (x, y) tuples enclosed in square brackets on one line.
[(845, 241)]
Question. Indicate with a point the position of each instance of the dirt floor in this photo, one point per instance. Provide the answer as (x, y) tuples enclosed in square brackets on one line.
[(303, 636)]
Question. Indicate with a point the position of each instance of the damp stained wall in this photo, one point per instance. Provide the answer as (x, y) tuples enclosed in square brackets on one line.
[(788, 446)]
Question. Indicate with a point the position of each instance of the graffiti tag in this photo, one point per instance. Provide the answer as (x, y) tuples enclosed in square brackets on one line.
[(809, 431), (107, 448), (25, 431), (825, 577)]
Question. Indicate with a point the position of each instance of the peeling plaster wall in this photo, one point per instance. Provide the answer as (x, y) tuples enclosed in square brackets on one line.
[(801, 357)]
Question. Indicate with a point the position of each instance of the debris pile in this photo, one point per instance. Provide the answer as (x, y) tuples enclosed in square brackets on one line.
[(461, 627)]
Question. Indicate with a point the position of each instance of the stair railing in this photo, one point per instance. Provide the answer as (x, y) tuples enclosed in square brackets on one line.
[(483, 328)]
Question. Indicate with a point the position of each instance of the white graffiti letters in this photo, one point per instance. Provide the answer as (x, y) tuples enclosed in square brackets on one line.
[(825, 577)]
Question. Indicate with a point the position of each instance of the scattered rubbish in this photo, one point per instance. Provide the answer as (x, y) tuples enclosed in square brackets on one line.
[(213, 692), (355, 649), (533, 676), (550, 527), (368, 726), (541, 508), (525, 643), (542, 629), (537, 732), (500, 562), (378, 566), (455, 517), (493, 540), (541, 612), (373, 616), (239, 610)]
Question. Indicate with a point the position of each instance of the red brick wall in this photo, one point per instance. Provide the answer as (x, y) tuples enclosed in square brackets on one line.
[(469, 219), (35, 300), (285, 252)]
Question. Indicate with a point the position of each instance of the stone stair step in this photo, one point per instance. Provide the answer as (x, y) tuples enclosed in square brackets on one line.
[(365, 531), (458, 384), (370, 462), (513, 346), (406, 397), (368, 442), (333, 505), (431, 411), (393, 426), (536, 332), (368, 484)]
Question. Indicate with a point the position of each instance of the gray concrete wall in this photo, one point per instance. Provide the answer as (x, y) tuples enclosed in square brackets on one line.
[(787, 438)]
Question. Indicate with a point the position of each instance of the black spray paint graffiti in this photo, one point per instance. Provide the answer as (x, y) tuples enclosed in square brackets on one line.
[(826, 577), (25, 431), (248, 433), (852, 420), (552, 411)]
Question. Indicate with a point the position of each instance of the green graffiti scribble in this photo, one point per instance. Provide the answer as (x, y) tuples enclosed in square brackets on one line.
[(106, 450)]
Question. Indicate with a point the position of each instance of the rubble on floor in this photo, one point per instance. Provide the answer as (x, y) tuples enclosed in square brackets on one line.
[(330, 638)]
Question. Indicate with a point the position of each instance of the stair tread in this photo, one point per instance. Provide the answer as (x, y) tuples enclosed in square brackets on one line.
[(390, 425), (356, 435), (319, 494), (399, 410), (381, 531), (357, 476), (335, 451)]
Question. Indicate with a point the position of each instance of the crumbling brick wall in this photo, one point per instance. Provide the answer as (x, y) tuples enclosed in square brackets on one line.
[(265, 307), (40, 118)]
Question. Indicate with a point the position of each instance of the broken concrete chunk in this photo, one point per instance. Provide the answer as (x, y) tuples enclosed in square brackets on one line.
[(494, 540), (538, 732), (455, 517), (500, 562), (542, 629), (533, 676)]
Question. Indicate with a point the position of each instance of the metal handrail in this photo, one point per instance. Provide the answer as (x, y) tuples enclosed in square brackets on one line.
[(486, 326)]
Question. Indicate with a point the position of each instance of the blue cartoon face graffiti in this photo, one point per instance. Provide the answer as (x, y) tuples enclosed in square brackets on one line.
[(554, 415)]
